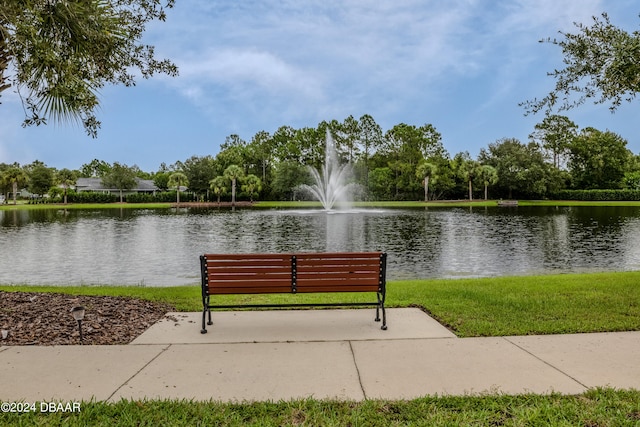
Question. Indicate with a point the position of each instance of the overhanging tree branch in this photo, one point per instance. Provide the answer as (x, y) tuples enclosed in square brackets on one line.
[(602, 64), (59, 54)]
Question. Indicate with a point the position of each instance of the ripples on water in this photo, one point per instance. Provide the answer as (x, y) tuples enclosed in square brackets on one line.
[(161, 247)]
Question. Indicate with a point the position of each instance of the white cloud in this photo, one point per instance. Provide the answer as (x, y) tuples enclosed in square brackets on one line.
[(290, 60), (318, 53), (240, 68)]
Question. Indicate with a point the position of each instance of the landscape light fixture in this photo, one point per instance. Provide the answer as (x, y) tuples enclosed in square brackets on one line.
[(78, 314)]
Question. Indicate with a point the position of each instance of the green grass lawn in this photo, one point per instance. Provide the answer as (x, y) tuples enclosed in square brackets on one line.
[(309, 205), (444, 204), (472, 307), (598, 407), (499, 306), (25, 206)]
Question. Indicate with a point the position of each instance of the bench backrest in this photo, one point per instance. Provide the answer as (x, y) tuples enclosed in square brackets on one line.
[(293, 273)]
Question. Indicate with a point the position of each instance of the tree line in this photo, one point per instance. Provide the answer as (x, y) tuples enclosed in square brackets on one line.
[(406, 162), (58, 55)]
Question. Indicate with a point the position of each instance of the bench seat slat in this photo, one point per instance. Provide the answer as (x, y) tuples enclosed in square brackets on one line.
[(249, 263), (218, 278), (337, 270), (241, 281), (240, 257), (332, 271), (357, 282), (338, 255), (338, 278), (248, 269), (251, 290), (228, 274), (342, 288), (370, 263)]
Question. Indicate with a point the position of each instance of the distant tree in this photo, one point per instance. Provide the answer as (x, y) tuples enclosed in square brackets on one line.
[(58, 54), (95, 169), (370, 139), (219, 186), (602, 64), (233, 173), (5, 185), (308, 145), (161, 180), (16, 177), (424, 172), (177, 180), (199, 171), (260, 149), (288, 176), (489, 176), (598, 159), (555, 134), (252, 185), (233, 151), (41, 179), (632, 180), (283, 147), (120, 177), (349, 136), (381, 183), (140, 173), (66, 178), (405, 146), (521, 169)]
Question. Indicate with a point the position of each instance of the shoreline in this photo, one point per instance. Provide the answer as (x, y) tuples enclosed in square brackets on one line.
[(311, 204)]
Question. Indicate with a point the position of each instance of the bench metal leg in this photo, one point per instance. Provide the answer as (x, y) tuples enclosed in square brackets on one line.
[(379, 307), (384, 316), (204, 315), (205, 309), (384, 319)]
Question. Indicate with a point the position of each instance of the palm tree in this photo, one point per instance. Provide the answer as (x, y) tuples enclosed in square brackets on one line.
[(66, 178), (177, 180), (469, 170), (489, 175), (219, 186), (424, 172), (252, 184), (16, 176), (233, 172), (4, 184)]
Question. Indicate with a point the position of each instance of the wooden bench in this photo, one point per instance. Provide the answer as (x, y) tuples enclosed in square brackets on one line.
[(293, 273)]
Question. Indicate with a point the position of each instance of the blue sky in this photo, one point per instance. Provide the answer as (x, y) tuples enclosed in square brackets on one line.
[(461, 65)]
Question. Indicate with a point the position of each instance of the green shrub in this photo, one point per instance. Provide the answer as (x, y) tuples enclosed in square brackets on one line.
[(599, 195), (91, 197), (164, 197)]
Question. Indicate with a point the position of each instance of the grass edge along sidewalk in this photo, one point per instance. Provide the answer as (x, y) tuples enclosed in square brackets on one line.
[(497, 306), (489, 304), (597, 407)]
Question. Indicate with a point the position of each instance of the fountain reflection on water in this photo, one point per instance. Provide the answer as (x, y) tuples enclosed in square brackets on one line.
[(330, 183)]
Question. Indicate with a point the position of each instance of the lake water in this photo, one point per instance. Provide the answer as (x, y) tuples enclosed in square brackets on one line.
[(161, 247)]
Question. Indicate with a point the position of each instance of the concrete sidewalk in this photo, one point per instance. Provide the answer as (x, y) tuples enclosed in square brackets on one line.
[(343, 354)]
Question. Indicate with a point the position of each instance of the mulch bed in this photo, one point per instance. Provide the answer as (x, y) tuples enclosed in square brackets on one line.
[(33, 318)]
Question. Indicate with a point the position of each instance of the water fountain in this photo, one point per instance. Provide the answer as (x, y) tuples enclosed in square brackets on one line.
[(329, 184)]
